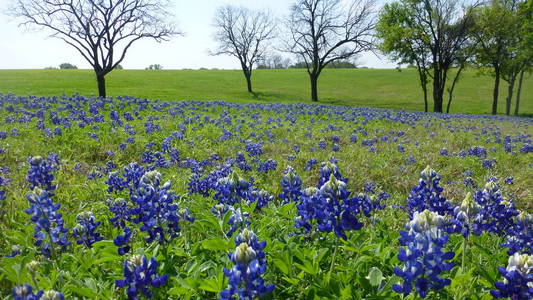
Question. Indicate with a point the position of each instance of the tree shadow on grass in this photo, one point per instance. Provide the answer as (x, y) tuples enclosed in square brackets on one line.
[(266, 96)]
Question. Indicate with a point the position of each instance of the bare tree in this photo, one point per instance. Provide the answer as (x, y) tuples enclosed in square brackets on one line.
[(244, 34), (324, 31), (101, 30)]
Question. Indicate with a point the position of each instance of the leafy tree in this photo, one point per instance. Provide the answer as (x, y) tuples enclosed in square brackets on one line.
[(496, 34), (155, 67), (401, 40), (324, 31), (101, 31), (243, 33), (431, 34), (64, 66), (525, 13)]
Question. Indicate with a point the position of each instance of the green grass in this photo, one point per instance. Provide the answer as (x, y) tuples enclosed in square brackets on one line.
[(361, 87)]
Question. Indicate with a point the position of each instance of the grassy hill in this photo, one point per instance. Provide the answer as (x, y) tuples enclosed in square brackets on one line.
[(384, 88)]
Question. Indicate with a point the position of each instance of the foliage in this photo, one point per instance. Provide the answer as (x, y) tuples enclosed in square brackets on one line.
[(117, 229)]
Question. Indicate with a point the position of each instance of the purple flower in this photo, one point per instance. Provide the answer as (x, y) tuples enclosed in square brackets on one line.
[(423, 256), (140, 275), (85, 230), (291, 186), (49, 228), (246, 276), (518, 278)]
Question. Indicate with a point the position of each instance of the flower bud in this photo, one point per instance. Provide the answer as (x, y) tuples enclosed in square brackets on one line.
[(32, 266), (52, 295), (244, 254)]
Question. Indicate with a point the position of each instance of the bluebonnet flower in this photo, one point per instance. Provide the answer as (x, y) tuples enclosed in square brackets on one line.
[(509, 180), (85, 230), (468, 215), (401, 149), (261, 197), (268, 165), (520, 237), (132, 176), (478, 151), (231, 189), (508, 147), (241, 162), (220, 209), (15, 251), (410, 160), (122, 212), (115, 182), (497, 214), (444, 152), (322, 144), (254, 149), (423, 257), (527, 148), (327, 169), (140, 275), (25, 292), (518, 278), (469, 182), (291, 186), (48, 223), (174, 155), (310, 164), (330, 208), (204, 185), (123, 241), (368, 202), (94, 136), (427, 195), (156, 210), (40, 173), (296, 148), (353, 139), (245, 277), (3, 182), (489, 163), (237, 220)]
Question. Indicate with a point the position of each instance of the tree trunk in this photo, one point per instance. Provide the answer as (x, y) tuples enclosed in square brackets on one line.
[(517, 106), (101, 85), (423, 82), (314, 87), (425, 97), (437, 92), (509, 96), (496, 90), (249, 82), (450, 91)]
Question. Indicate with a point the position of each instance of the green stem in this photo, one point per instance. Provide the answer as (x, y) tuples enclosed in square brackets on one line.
[(333, 261), (465, 242)]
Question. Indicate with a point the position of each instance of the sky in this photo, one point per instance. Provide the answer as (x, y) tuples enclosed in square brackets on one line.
[(22, 48)]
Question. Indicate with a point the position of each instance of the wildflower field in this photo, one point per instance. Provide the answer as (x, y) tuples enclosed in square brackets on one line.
[(129, 198)]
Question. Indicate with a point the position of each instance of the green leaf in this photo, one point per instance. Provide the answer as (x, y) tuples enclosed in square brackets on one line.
[(215, 244), (375, 276), (211, 285), (281, 265)]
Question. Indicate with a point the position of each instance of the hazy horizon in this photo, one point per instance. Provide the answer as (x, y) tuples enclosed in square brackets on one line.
[(24, 48)]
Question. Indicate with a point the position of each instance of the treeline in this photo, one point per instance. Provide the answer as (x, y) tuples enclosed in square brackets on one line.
[(435, 36)]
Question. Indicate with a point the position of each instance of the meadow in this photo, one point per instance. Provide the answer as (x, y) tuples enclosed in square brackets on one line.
[(383, 88), (132, 198)]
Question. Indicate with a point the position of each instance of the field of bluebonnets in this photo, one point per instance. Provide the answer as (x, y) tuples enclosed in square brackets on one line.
[(132, 198)]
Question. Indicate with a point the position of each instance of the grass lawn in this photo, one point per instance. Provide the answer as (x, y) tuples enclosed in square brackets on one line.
[(383, 88)]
